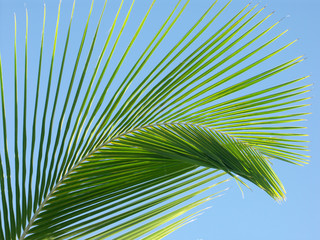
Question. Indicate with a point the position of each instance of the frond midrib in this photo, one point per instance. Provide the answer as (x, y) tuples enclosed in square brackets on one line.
[(26, 230)]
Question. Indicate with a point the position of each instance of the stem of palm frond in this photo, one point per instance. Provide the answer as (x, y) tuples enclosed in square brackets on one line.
[(25, 232)]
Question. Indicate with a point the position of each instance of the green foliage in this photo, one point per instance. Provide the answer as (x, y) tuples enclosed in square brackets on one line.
[(127, 162)]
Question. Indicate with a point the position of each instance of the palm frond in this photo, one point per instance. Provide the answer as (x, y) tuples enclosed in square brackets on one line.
[(132, 149)]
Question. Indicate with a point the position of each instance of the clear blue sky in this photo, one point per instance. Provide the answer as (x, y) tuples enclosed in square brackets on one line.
[(256, 216)]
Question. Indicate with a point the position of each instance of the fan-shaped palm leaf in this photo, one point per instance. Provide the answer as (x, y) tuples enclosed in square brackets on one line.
[(124, 155)]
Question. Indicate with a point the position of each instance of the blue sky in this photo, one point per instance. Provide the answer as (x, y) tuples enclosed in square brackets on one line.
[(256, 216)]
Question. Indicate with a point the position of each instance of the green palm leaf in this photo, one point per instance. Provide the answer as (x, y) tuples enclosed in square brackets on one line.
[(126, 157)]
